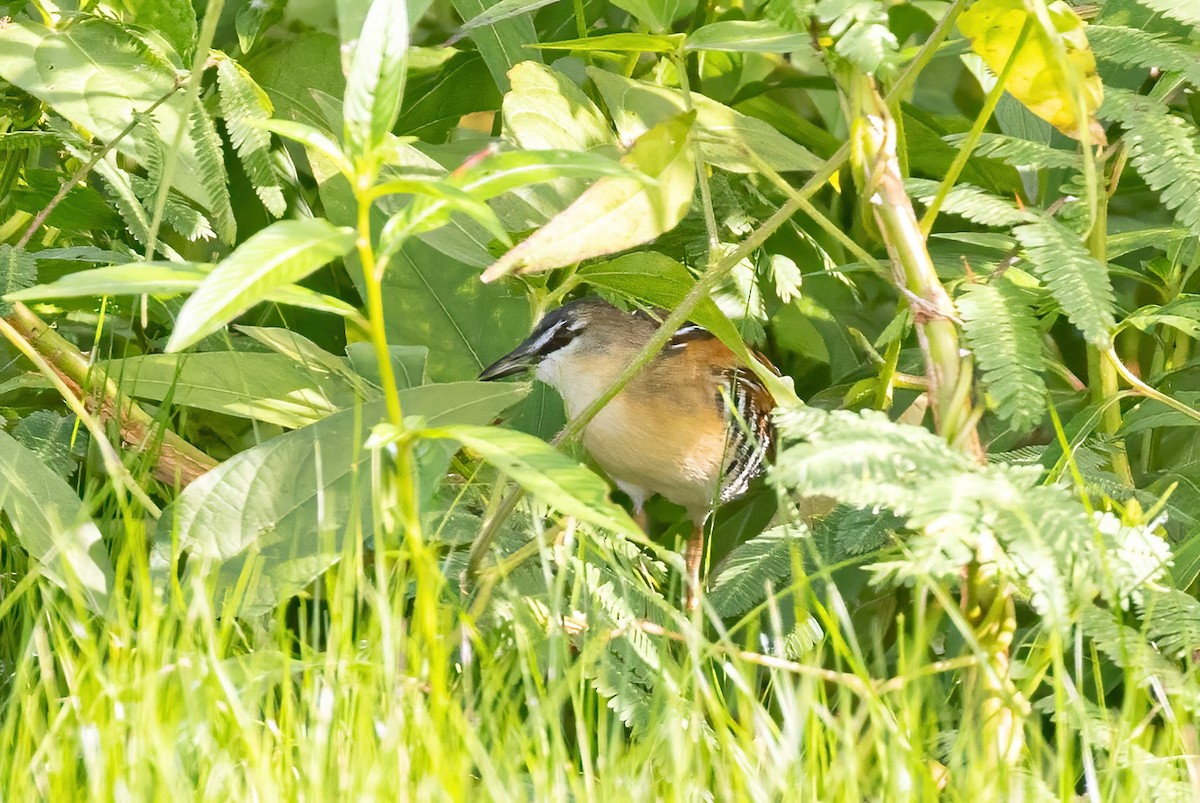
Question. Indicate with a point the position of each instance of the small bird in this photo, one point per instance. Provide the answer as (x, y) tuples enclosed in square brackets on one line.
[(693, 425)]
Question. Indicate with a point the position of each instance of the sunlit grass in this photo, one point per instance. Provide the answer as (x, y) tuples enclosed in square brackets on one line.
[(377, 686)]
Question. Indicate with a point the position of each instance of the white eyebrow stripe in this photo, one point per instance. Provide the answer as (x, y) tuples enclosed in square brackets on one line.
[(545, 337)]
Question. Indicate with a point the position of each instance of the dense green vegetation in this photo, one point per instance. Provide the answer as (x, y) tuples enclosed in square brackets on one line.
[(266, 536)]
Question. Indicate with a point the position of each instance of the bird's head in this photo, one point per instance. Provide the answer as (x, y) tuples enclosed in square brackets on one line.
[(581, 328)]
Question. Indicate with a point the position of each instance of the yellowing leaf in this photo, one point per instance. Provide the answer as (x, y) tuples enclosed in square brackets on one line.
[(616, 213), (1038, 79)]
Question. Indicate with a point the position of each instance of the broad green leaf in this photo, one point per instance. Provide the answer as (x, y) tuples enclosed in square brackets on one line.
[(1038, 79), (158, 279), (437, 302), (266, 387), (97, 75), (742, 36), (375, 83), (310, 137), (616, 213), (280, 254), (254, 18), (166, 279), (505, 172), (621, 43), (726, 137), (657, 14), (52, 525), (545, 473), (408, 363), (286, 506), (1181, 313), (503, 43), (545, 110), (503, 10), (173, 20), (298, 70)]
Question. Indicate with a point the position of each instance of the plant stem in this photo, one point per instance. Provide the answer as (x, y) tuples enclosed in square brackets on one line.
[(177, 460), (877, 172), (373, 281)]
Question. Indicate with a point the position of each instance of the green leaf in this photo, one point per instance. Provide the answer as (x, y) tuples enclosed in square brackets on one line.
[(1163, 149), (1002, 331), (1185, 11), (265, 387), (620, 43), (545, 110), (1131, 46), (280, 254), (375, 83), (505, 9), (726, 137), (174, 20), (97, 75), (285, 506), (973, 203), (310, 137), (52, 525), (742, 579), (1038, 79), (18, 270), (243, 101), (1078, 282), (544, 472), (53, 439), (742, 36), (437, 302), (658, 14), (505, 172), (166, 279), (616, 213), (503, 43)]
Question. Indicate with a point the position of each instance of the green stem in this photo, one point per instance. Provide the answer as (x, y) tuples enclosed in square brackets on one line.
[(882, 189), (373, 282)]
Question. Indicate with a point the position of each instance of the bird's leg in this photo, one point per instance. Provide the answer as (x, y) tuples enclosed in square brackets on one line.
[(694, 555)]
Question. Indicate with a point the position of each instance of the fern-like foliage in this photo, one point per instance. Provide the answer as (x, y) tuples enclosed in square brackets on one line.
[(970, 202), (1186, 11), (1172, 620), (1048, 541), (53, 438), (1077, 280), (1163, 149), (18, 270), (743, 577), (177, 212), (1137, 48), (212, 174), (1144, 665), (1016, 151), (1000, 327), (243, 102)]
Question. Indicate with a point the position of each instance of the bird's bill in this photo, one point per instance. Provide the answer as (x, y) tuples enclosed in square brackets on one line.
[(517, 361)]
